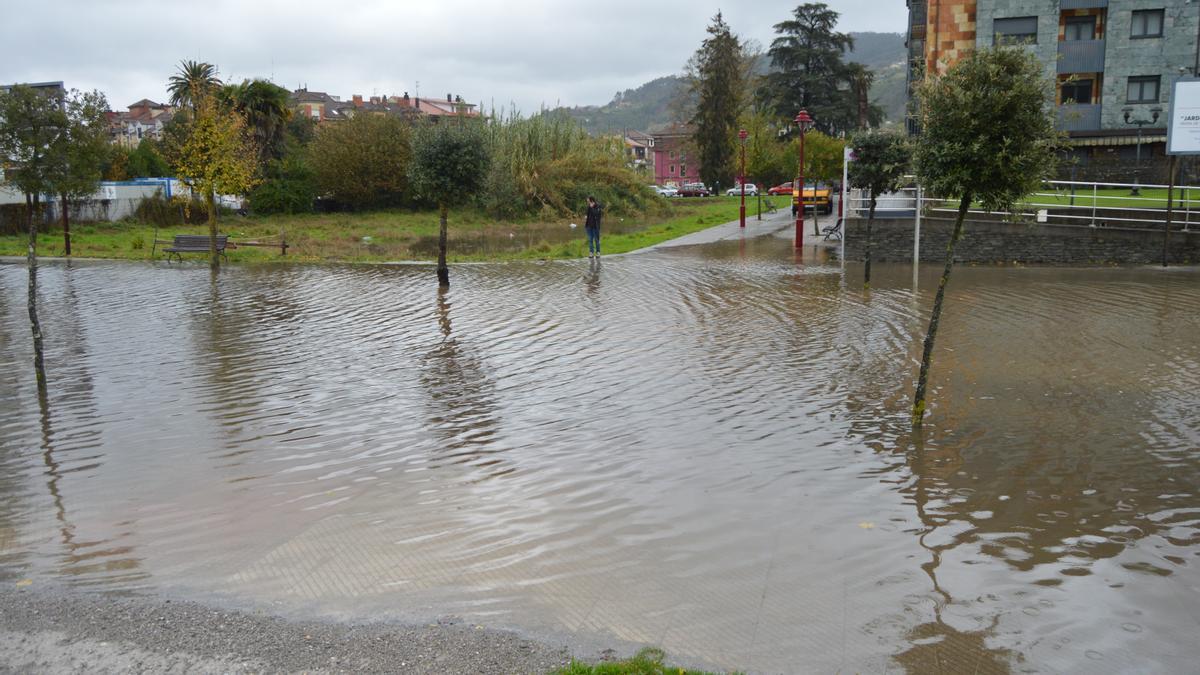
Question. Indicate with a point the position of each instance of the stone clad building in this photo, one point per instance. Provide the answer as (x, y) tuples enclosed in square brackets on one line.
[(1112, 61)]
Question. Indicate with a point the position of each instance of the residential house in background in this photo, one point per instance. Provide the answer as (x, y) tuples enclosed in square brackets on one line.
[(671, 166), (315, 105), (1113, 63), (144, 119), (639, 151), (322, 107)]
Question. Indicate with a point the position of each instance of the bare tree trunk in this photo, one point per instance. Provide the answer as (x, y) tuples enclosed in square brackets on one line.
[(816, 210), (867, 249), (39, 366), (918, 411), (66, 221), (443, 271), (215, 261)]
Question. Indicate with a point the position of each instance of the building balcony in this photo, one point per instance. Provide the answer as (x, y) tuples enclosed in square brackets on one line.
[(1081, 56), (1082, 4), (1077, 117)]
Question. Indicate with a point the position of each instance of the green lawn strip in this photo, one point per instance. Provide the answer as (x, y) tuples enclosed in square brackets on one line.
[(649, 661), (1109, 198), (394, 235)]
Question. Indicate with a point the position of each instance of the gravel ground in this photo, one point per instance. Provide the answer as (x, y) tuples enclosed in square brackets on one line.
[(48, 631)]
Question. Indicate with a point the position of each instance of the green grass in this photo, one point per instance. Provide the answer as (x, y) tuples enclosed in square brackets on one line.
[(395, 235), (649, 661)]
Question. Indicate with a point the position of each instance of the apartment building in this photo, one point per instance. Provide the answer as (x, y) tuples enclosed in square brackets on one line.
[(1112, 62)]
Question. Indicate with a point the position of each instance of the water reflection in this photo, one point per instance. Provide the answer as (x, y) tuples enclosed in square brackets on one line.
[(461, 408), (706, 448)]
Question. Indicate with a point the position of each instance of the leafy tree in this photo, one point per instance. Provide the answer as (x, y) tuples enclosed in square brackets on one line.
[(718, 84), (880, 160), (823, 157), (988, 136), (80, 151), (363, 162), (194, 82), (288, 187), (265, 107), (449, 163), (217, 156), (807, 68), (33, 125), (768, 160), (146, 161)]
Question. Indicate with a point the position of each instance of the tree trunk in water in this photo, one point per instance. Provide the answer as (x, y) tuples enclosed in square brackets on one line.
[(443, 272), (816, 210), (39, 366), (867, 249), (918, 411), (66, 221), (215, 261)]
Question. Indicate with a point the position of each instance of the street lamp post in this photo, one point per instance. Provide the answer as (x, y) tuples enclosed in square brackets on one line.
[(804, 122), (1137, 163), (742, 211)]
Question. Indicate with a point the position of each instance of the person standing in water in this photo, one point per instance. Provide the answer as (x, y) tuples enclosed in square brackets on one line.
[(592, 225)]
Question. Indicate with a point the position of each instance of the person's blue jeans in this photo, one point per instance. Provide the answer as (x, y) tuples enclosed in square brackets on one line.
[(593, 234)]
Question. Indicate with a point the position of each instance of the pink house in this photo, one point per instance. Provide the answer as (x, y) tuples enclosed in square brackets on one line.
[(671, 165)]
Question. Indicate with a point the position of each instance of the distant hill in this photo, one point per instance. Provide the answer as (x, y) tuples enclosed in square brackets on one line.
[(647, 108)]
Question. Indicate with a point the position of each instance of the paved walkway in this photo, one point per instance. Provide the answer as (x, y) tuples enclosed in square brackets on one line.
[(778, 223)]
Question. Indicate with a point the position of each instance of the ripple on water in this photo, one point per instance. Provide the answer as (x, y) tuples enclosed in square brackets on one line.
[(637, 448)]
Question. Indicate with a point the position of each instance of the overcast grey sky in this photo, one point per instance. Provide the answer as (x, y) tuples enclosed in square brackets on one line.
[(519, 51)]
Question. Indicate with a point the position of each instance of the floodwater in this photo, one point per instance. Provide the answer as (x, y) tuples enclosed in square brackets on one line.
[(703, 448)]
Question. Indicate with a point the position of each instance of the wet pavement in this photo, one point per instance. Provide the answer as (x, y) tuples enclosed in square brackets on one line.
[(702, 447)]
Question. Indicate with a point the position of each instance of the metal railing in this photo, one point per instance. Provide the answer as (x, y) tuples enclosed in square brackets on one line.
[(1079, 203)]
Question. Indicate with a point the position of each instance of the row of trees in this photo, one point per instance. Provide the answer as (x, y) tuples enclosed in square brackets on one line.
[(807, 71)]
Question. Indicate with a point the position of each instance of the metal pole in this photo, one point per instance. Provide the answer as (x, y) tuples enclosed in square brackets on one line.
[(1137, 163), (917, 231), (842, 210), (1094, 191), (1170, 205), (742, 209), (800, 204)]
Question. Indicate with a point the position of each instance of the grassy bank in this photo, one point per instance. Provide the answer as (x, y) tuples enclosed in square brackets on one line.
[(395, 235), (649, 661)]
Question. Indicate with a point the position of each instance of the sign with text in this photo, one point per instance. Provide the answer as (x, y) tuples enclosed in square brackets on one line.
[(1183, 125)]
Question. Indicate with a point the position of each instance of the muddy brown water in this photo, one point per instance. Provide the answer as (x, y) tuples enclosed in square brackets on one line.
[(705, 449)]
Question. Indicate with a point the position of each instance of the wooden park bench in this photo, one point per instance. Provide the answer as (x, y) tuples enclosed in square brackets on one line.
[(194, 243), (198, 243)]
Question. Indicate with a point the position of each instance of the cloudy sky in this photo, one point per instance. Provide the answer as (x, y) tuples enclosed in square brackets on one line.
[(522, 52)]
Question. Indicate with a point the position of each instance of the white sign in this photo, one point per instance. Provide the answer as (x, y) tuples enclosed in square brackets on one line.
[(1183, 125)]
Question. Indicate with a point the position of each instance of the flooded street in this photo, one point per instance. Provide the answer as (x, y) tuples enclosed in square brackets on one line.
[(703, 448)]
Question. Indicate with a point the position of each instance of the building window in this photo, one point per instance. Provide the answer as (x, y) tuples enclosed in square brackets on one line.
[(1080, 28), (672, 154), (683, 170), (1147, 23), (1017, 31), (1142, 90), (672, 169), (1077, 91)]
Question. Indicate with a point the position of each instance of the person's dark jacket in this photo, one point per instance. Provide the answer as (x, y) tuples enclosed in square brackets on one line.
[(593, 217)]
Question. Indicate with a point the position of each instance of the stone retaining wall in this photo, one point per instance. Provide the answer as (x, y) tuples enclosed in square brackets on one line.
[(998, 241)]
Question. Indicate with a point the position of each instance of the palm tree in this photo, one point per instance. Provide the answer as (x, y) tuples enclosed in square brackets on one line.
[(860, 79), (192, 83), (264, 105)]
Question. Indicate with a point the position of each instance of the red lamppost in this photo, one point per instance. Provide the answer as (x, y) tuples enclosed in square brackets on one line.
[(804, 122), (742, 212)]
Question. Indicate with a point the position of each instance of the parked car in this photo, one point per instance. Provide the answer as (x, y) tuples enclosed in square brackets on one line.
[(816, 197), (782, 189), (663, 190), (694, 190), (751, 190)]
